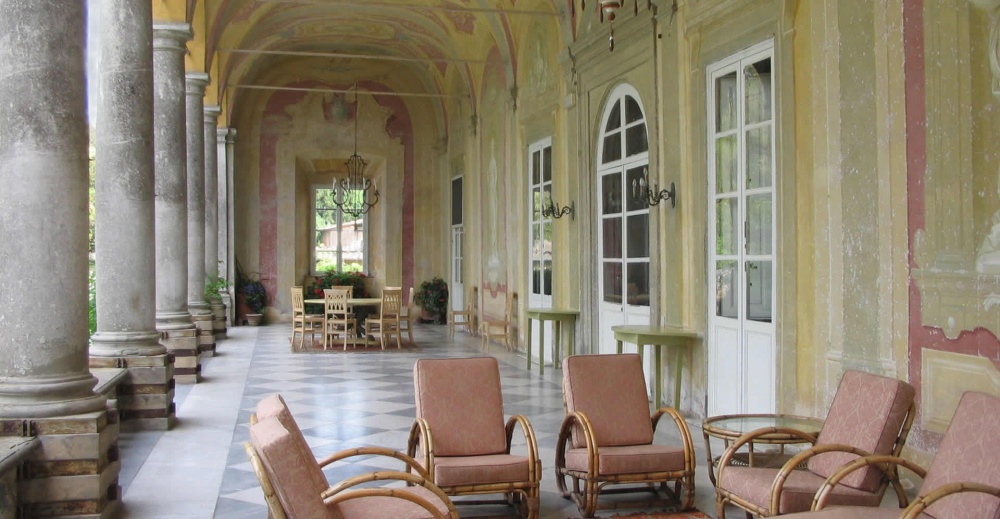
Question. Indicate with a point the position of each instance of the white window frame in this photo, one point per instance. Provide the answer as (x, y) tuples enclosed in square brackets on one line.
[(339, 222), (537, 219)]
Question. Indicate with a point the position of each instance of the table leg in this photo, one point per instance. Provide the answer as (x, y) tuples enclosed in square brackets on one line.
[(658, 369), (571, 350), (528, 345), (678, 369), (541, 347), (708, 452), (619, 347), (557, 343)]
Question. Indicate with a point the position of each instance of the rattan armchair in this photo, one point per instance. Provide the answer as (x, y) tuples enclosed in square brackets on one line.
[(460, 438), (870, 415), (606, 439)]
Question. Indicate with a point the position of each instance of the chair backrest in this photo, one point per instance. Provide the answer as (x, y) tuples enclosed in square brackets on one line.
[(270, 497), (336, 303), (869, 412), (297, 478), (472, 304), (274, 406), (611, 391), (348, 288), (298, 302), (461, 401), (510, 307), (392, 300), (970, 451)]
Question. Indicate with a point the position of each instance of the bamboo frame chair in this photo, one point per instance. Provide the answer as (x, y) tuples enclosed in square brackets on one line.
[(606, 439), (492, 328), (302, 322), (467, 317), (460, 438), (387, 324), (337, 319), (870, 414)]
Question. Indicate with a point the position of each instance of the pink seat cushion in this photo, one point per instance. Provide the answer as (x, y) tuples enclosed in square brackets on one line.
[(630, 459), (297, 479), (754, 485), (968, 452), (479, 470), (461, 401), (391, 507), (871, 427), (852, 512), (611, 391)]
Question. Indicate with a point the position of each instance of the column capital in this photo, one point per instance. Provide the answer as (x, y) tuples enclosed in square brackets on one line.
[(231, 136), (212, 113), (222, 134), (171, 36), (195, 83)]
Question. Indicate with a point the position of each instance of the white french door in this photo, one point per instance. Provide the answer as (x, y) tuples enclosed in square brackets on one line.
[(457, 291), (623, 224), (540, 231), (741, 256)]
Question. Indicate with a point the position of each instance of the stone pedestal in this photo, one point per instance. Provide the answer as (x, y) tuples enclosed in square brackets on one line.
[(219, 322), (205, 324), (145, 396), (183, 345)]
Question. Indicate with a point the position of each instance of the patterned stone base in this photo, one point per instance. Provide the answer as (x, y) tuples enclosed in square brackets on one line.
[(219, 321), (183, 345), (146, 394), (206, 334), (74, 472)]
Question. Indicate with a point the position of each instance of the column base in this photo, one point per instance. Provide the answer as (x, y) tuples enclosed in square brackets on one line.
[(183, 345), (146, 394), (206, 333), (74, 472), (219, 321)]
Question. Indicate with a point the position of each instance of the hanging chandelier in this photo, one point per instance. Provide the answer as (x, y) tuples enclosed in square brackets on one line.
[(607, 9), (356, 195)]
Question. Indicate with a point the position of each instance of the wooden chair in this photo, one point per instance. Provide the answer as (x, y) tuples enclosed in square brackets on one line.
[(387, 324), (606, 438), (294, 484), (870, 415), (466, 317), (461, 436), (962, 481), (407, 314), (337, 319), (303, 323), (493, 328)]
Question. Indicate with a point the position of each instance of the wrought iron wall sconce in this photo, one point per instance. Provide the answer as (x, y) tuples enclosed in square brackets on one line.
[(641, 190), (553, 210)]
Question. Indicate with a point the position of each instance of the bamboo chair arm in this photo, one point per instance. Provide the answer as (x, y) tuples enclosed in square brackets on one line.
[(682, 428), (534, 475), (566, 432), (922, 502), (779, 480), (420, 435), (880, 462), (752, 435), (410, 462), (341, 491)]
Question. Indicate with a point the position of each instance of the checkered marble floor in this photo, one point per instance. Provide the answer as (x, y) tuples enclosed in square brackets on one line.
[(339, 400)]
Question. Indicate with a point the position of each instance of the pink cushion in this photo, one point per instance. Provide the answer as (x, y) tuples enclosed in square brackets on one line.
[(275, 406), (479, 470), (391, 507), (970, 451), (611, 391), (631, 459), (461, 401), (297, 479), (754, 485), (867, 413)]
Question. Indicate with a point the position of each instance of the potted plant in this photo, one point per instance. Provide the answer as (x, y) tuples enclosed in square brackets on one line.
[(251, 296), (214, 286), (432, 296), (334, 278)]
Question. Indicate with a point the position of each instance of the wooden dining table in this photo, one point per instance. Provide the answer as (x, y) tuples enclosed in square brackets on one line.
[(354, 301)]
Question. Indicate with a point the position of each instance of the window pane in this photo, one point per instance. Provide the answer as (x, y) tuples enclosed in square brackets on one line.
[(638, 235), (612, 237), (536, 167), (635, 140), (632, 111), (547, 197), (614, 118), (547, 277), (759, 291), (635, 179), (759, 157), (638, 284), (759, 224), (536, 204), (726, 226), (612, 148), (611, 193), (726, 289), (725, 102), (456, 201), (758, 91), (725, 165), (547, 164), (325, 225), (613, 282), (536, 277)]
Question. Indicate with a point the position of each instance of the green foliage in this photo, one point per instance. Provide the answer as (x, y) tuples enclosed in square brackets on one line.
[(213, 285), (433, 298), (334, 278), (92, 311), (252, 289)]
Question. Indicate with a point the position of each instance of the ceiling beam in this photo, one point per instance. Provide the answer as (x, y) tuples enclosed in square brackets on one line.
[(385, 5), (348, 55), (346, 91)]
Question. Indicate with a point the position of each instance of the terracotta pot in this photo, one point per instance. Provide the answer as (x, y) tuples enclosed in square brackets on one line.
[(254, 319)]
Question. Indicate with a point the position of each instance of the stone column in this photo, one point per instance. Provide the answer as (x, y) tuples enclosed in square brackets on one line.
[(230, 221), (201, 312), (212, 219), (46, 387), (170, 152), (222, 203), (126, 304)]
